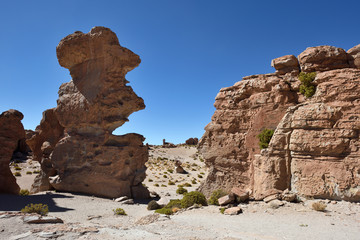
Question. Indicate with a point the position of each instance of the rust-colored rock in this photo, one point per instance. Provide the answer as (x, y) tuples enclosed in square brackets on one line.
[(242, 112), (323, 58), (354, 56), (86, 157), (192, 141), (286, 64), (315, 149), (11, 132)]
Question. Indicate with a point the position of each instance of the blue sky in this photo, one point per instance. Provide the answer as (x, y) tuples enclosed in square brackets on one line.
[(189, 50)]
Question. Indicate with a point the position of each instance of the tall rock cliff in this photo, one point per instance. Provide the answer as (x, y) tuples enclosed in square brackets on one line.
[(74, 141), (315, 147)]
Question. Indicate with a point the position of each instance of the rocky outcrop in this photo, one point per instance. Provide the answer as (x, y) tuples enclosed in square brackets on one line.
[(315, 148), (192, 141), (354, 56), (42, 143), (11, 132), (286, 64), (85, 157)]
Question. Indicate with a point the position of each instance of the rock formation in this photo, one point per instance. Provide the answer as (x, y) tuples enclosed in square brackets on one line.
[(74, 140), (11, 132), (315, 150), (192, 141)]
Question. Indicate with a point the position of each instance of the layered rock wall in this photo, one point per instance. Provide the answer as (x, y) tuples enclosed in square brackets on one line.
[(11, 133), (315, 147), (85, 157)]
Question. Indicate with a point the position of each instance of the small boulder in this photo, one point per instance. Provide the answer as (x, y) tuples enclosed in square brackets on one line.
[(241, 195), (226, 199), (192, 141), (276, 203), (285, 64), (233, 211), (354, 56), (271, 197)]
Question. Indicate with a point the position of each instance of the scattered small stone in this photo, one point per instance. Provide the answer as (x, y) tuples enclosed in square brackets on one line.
[(276, 203), (167, 194), (90, 217), (39, 219), (333, 202), (120, 199), (49, 234), (21, 236), (128, 201), (233, 211), (270, 198)]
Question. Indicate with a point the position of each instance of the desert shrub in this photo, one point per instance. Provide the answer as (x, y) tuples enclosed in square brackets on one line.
[(171, 182), (166, 211), (307, 88), (18, 168), (24, 192), (156, 184), (164, 176), (193, 181), (180, 185), (222, 210), (187, 185), (170, 170), (319, 206), (17, 174), (36, 171), (200, 176), (150, 180), (153, 205), (119, 211), (174, 203), (265, 137), (193, 197), (215, 195), (163, 185), (29, 172), (181, 190), (39, 208)]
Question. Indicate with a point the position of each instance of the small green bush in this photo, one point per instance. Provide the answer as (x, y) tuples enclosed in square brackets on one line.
[(265, 137), (18, 168), (156, 184), (166, 211), (171, 182), (17, 174), (29, 172), (170, 170), (150, 180), (39, 208), (213, 200), (222, 210), (119, 211), (193, 197), (153, 205), (36, 171), (181, 190), (200, 176), (307, 88), (187, 185), (163, 185), (174, 203), (24, 192)]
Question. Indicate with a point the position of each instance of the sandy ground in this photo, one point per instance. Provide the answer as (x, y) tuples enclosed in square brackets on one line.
[(87, 217)]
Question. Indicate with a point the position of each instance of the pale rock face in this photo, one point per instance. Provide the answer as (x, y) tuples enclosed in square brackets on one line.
[(11, 132), (87, 158), (315, 147), (323, 58)]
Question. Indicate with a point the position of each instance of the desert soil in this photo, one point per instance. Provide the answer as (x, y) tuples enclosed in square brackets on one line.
[(88, 217)]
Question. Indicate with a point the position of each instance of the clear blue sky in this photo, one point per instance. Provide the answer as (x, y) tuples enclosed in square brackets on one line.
[(189, 50)]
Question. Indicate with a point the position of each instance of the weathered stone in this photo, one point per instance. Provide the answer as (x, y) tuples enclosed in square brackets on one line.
[(11, 132), (192, 141), (226, 199), (276, 203), (323, 58), (41, 219), (271, 198), (240, 194), (354, 56), (233, 211), (85, 157), (286, 64), (315, 148)]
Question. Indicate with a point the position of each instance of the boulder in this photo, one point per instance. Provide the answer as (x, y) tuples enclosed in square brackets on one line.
[(84, 156), (241, 195), (192, 141), (354, 56), (233, 211), (286, 64), (323, 58), (226, 199), (11, 132)]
